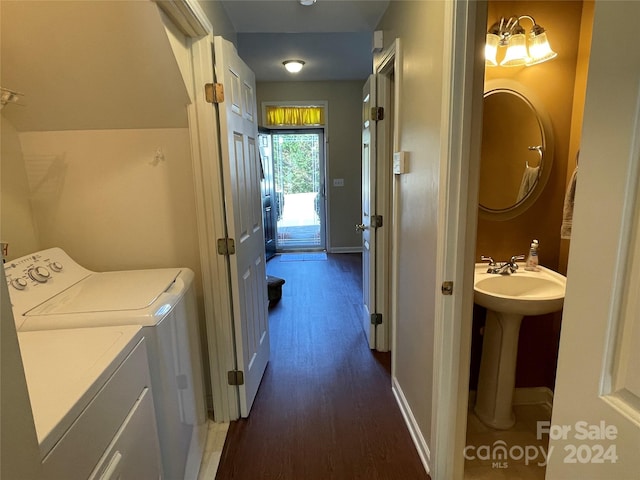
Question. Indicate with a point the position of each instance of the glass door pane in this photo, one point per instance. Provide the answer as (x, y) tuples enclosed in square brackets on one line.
[(298, 161)]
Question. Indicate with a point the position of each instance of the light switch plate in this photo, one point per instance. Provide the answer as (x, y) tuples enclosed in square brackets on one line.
[(399, 163), (338, 182)]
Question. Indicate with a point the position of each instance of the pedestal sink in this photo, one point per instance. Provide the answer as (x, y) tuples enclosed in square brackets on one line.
[(508, 298)]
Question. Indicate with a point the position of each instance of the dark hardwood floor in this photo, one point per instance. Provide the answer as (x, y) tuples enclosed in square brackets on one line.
[(325, 409)]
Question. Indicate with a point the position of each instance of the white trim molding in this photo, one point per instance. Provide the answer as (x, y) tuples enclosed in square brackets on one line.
[(463, 78), (414, 429), (344, 250), (188, 16)]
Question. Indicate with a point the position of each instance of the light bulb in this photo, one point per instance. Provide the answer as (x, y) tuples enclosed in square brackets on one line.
[(491, 49), (293, 66), (516, 55), (539, 49)]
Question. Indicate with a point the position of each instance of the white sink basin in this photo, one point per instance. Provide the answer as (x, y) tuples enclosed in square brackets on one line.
[(507, 299), (522, 292)]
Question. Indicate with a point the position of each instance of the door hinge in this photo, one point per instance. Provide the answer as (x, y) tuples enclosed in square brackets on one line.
[(376, 319), (226, 246), (235, 377), (214, 92), (447, 288), (376, 221), (377, 113)]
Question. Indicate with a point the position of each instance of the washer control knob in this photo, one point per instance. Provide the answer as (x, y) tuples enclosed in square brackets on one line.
[(19, 283), (55, 266), (39, 274)]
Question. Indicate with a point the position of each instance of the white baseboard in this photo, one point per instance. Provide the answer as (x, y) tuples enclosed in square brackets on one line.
[(345, 250), (533, 396), (525, 396), (418, 439)]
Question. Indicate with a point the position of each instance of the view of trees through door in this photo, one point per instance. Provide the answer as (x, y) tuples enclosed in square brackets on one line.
[(298, 170)]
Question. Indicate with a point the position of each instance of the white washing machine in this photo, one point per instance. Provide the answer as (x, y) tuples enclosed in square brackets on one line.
[(50, 291)]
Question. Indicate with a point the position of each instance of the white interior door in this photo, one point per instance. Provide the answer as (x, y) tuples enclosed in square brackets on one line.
[(241, 179), (368, 209), (595, 431)]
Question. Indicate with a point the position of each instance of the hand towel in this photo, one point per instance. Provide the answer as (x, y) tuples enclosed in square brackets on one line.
[(567, 210), (529, 179)]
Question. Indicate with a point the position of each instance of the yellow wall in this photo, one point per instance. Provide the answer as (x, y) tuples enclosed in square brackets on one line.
[(586, 30), (554, 84)]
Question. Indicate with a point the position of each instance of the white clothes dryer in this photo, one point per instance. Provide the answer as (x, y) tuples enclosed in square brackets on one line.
[(50, 291)]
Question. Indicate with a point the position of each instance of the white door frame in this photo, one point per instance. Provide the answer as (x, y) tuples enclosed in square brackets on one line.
[(189, 17), (387, 141), (463, 80), (211, 223)]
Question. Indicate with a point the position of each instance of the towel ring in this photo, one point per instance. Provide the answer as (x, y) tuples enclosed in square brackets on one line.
[(537, 148)]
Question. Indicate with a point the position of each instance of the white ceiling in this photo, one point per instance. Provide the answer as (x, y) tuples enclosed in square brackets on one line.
[(333, 37)]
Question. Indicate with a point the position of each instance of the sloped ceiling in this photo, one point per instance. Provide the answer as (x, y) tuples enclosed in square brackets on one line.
[(85, 65), (333, 37)]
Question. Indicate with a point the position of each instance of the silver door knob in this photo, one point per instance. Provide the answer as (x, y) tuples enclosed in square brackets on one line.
[(360, 227)]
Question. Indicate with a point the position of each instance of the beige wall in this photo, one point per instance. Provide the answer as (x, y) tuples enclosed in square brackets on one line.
[(98, 192), (87, 181), (17, 226), (109, 203), (420, 26), (554, 84), (89, 65), (219, 19), (343, 151)]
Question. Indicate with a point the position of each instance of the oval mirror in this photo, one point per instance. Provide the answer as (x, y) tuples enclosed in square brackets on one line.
[(517, 151)]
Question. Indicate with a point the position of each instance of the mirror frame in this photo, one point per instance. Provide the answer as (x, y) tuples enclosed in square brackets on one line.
[(546, 130)]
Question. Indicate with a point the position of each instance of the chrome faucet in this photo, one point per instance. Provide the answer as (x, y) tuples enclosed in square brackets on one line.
[(504, 268)]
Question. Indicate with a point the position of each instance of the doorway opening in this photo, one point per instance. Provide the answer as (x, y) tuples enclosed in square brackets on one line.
[(379, 201), (298, 176), (532, 376)]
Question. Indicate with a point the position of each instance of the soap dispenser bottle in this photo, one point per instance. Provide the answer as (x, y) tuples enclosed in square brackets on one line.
[(532, 259)]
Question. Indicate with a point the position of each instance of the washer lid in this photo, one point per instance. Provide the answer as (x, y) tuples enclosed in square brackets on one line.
[(110, 292)]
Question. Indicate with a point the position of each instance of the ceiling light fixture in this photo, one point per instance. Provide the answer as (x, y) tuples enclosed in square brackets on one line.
[(293, 66), (307, 3), (522, 50)]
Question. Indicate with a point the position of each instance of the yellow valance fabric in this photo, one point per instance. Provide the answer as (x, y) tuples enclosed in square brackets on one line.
[(295, 116)]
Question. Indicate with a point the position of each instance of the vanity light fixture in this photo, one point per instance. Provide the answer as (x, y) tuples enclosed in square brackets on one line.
[(521, 49), (293, 66)]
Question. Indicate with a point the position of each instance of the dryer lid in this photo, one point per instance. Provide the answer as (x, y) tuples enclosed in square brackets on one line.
[(110, 292)]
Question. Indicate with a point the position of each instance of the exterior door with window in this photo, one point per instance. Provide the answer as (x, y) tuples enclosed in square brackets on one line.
[(299, 179)]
